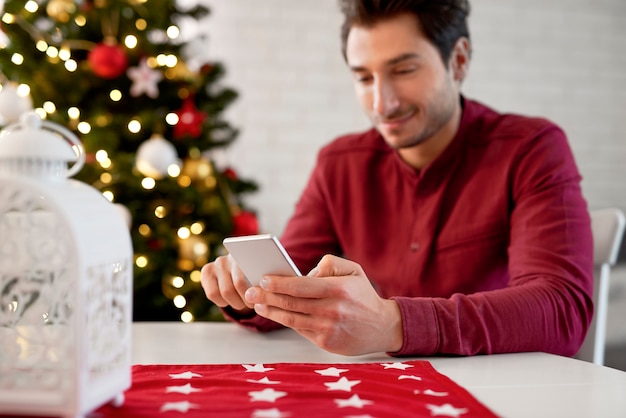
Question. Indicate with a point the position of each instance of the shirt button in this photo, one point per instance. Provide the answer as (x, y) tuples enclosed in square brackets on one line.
[(415, 246)]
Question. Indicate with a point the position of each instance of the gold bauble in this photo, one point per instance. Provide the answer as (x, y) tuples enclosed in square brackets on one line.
[(197, 168), (61, 10)]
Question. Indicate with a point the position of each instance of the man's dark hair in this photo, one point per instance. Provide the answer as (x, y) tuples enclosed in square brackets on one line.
[(442, 21)]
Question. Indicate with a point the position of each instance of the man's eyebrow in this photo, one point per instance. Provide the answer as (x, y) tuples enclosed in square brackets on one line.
[(393, 61)]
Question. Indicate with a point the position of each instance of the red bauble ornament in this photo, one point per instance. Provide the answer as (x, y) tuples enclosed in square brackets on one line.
[(246, 223), (190, 120), (108, 60), (231, 174)]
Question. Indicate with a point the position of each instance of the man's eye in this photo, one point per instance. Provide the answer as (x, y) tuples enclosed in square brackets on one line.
[(405, 70), (363, 78)]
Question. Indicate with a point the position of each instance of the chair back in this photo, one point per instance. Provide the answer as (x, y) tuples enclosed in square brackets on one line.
[(607, 226)]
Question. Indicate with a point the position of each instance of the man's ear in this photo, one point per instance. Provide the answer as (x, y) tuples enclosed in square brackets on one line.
[(460, 59)]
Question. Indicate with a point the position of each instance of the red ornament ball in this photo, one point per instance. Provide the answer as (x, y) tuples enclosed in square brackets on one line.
[(246, 223), (108, 60)]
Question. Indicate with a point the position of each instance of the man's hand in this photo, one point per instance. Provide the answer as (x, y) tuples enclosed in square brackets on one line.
[(335, 307), (225, 284)]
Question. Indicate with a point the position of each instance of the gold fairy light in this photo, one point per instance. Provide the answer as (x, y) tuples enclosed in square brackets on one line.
[(108, 195), (71, 65), (171, 119), (84, 127), (73, 113), (160, 212), (141, 261), (178, 282), (183, 232), (115, 95), (41, 45), (106, 178), (49, 107), (195, 276), (141, 24), (130, 41), (144, 230), (148, 183), (134, 126), (8, 18), (173, 32), (180, 301), (17, 58), (31, 6), (186, 317), (196, 228)]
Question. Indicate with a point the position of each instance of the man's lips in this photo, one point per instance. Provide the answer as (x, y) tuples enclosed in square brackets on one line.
[(396, 122)]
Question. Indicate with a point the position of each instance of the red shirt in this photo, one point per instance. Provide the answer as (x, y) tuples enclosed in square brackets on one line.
[(488, 249)]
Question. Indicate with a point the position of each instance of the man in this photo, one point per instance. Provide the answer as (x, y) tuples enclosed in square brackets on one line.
[(447, 228)]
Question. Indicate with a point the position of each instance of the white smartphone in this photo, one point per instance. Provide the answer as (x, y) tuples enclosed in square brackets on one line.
[(260, 255)]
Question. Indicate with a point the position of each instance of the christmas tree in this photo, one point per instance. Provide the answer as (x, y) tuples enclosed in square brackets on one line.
[(116, 72)]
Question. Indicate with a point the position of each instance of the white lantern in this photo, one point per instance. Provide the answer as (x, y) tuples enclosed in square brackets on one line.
[(65, 279)]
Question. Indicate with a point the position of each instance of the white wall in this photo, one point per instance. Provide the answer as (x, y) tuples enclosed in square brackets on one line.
[(564, 59)]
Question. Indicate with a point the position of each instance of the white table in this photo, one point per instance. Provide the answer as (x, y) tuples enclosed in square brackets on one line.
[(511, 385)]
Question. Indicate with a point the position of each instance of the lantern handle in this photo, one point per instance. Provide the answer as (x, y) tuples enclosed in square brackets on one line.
[(70, 137)]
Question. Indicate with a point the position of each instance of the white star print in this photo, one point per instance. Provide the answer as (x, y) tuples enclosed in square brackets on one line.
[(430, 392), (353, 401), (269, 395), (183, 406), (396, 365), (409, 376), (446, 410), (185, 389), (185, 375), (145, 80), (269, 413), (331, 371), (342, 384), (256, 368), (264, 381)]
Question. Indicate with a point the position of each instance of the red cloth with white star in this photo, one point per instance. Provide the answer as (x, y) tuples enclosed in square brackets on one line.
[(394, 389)]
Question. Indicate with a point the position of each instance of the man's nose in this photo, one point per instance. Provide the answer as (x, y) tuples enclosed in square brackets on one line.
[(385, 100)]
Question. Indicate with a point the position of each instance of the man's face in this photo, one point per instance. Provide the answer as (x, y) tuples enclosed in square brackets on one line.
[(401, 81)]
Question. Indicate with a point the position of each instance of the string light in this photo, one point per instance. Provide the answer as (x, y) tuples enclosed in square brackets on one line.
[(17, 58), (148, 183), (183, 232), (173, 32), (141, 261), (80, 20), (23, 90), (41, 45), (71, 65), (144, 230), (52, 52), (106, 178), (84, 128), (73, 113), (178, 282), (65, 54), (31, 6), (173, 170), (180, 301), (141, 24), (134, 126), (108, 195), (186, 316), (196, 228), (49, 107), (130, 41), (115, 95), (8, 18), (171, 119), (195, 276), (160, 212)]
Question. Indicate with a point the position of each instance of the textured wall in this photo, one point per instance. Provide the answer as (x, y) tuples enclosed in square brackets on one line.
[(563, 59)]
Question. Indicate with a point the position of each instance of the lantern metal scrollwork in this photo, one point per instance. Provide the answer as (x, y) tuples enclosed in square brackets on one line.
[(65, 279)]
